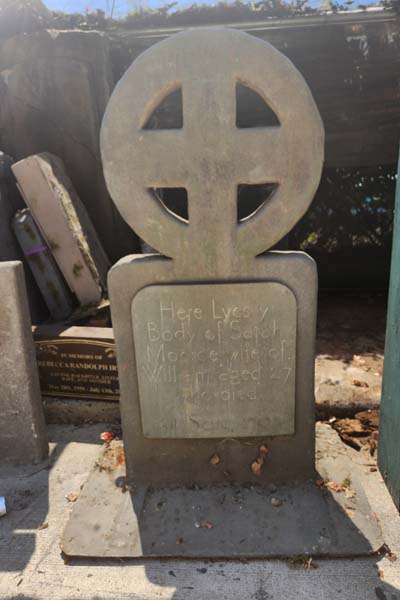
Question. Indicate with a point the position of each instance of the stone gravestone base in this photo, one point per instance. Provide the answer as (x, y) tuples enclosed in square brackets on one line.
[(224, 520)]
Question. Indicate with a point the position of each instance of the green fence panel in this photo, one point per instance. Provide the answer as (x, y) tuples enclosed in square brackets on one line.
[(389, 431)]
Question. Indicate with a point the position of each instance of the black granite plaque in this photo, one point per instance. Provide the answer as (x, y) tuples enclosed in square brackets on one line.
[(78, 362)]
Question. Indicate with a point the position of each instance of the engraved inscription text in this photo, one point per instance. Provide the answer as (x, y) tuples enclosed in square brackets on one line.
[(216, 360)]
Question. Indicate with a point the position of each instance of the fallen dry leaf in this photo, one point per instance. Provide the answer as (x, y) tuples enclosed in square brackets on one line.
[(257, 465), (349, 493), (107, 436), (263, 451), (43, 526), (359, 383), (204, 525), (276, 502), (215, 460), (302, 561), (336, 487), (71, 497), (359, 359)]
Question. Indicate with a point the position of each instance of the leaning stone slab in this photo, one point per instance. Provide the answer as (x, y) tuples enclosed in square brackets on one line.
[(22, 427), (65, 225), (51, 283)]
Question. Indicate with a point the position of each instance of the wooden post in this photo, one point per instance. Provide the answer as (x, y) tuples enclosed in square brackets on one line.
[(389, 436)]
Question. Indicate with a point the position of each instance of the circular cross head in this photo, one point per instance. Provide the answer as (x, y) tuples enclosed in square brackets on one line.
[(210, 156)]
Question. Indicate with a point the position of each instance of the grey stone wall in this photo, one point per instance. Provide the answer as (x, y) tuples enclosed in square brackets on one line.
[(54, 86)]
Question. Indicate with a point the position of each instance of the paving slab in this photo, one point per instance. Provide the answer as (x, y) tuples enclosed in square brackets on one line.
[(111, 519), (32, 567)]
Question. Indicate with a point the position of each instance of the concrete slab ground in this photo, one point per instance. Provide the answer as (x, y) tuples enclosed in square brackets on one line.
[(32, 568)]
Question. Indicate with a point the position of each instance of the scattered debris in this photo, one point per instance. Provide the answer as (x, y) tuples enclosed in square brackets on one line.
[(337, 487), (215, 460), (3, 509), (373, 443), (71, 497), (359, 359), (359, 383), (276, 502), (302, 561), (349, 493), (360, 431), (112, 458), (332, 485), (352, 427), (179, 540), (258, 464), (122, 483), (171, 573), (350, 512), (391, 556), (107, 436), (203, 525), (203, 570), (43, 526)]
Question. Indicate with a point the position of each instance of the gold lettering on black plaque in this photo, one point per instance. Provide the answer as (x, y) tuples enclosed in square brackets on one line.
[(78, 368)]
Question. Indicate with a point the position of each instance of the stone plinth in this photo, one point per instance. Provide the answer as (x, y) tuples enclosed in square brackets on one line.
[(22, 427)]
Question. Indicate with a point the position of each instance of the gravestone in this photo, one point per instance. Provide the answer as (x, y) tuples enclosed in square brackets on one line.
[(54, 290), (22, 427), (216, 343), (214, 340), (65, 224)]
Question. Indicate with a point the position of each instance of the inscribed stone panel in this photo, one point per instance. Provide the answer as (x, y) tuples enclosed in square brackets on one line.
[(216, 360)]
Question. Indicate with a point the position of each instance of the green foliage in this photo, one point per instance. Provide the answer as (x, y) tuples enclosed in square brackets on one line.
[(352, 207)]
